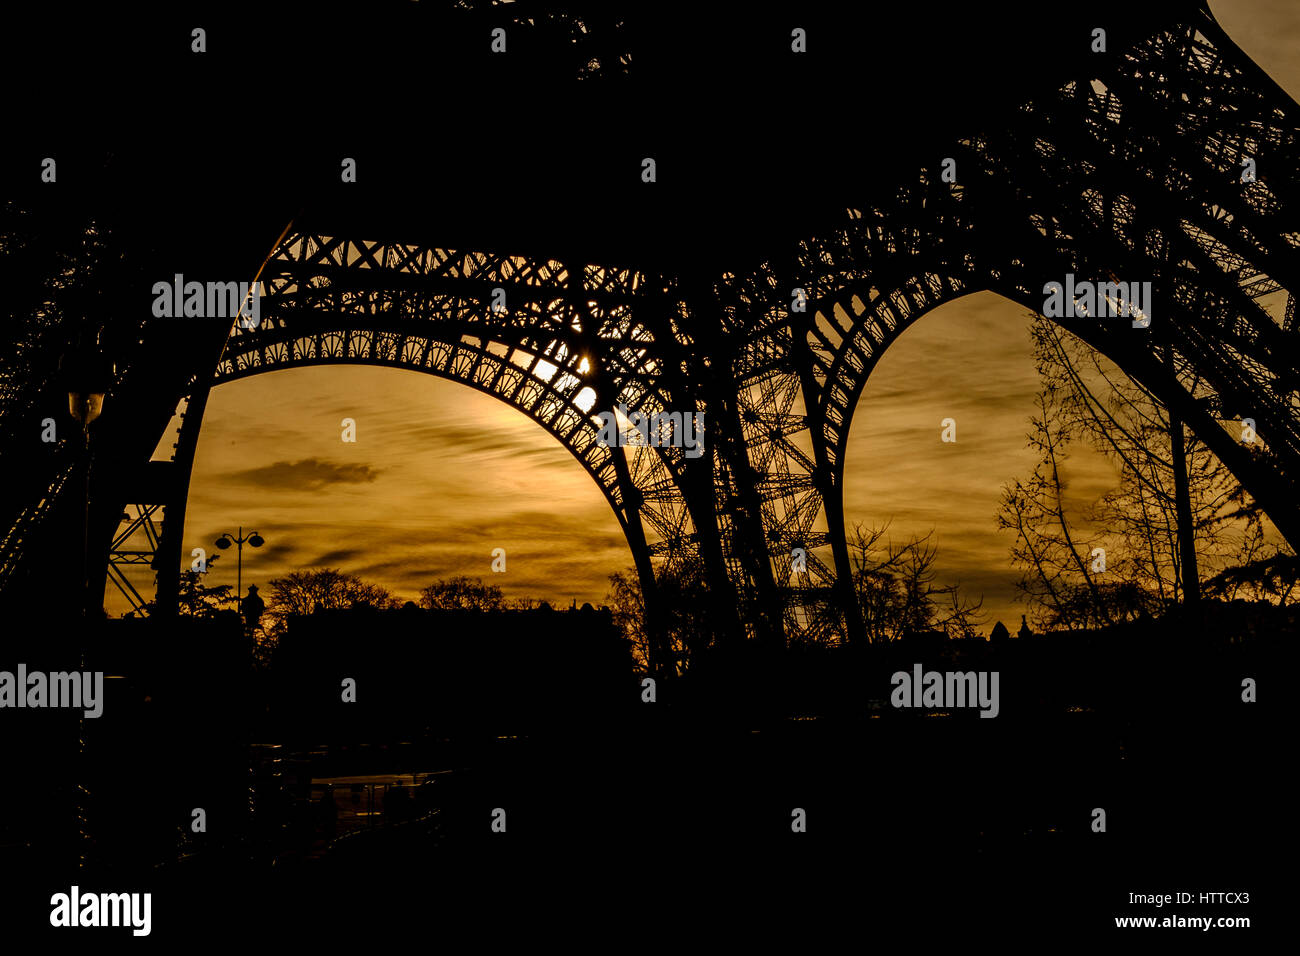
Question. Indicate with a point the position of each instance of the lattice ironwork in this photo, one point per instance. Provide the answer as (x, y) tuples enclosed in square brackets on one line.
[(1130, 171)]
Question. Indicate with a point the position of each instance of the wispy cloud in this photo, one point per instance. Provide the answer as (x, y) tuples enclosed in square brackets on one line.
[(441, 475), (308, 474)]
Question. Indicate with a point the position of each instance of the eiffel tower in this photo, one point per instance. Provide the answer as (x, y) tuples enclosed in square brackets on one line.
[(1167, 156)]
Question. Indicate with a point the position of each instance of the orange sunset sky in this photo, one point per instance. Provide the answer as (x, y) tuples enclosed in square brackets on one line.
[(440, 475)]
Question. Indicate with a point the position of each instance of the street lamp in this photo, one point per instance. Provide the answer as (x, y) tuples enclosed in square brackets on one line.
[(87, 375), (254, 540)]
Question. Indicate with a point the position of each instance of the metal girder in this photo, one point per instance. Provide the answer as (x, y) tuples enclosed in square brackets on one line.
[(1080, 183), (1128, 170), (120, 556)]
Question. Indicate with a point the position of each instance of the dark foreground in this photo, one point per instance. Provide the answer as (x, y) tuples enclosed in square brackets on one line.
[(671, 823)]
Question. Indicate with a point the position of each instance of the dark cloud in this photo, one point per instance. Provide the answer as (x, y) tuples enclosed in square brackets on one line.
[(474, 441), (272, 554), (337, 557), (308, 474)]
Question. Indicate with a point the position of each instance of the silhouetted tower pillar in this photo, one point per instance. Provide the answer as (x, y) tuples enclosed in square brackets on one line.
[(829, 484), (1187, 563)]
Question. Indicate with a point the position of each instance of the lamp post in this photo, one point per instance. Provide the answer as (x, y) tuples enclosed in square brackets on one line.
[(254, 540), (87, 375)]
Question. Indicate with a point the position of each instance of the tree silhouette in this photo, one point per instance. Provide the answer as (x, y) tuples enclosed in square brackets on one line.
[(1275, 579), (462, 594), (195, 599), (1176, 511), (303, 591), (688, 614), (1058, 580), (896, 592), (628, 605)]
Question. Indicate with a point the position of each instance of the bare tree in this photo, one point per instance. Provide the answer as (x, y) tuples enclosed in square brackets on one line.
[(1176, 512), (1062, 579), (895, 585), (688, 616), (462, 594), (628, 605), (302, 592)]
